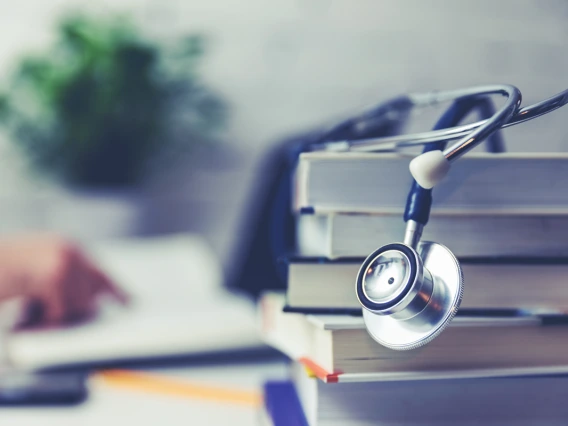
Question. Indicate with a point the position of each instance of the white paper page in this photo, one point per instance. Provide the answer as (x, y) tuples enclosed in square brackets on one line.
[(177, 306)]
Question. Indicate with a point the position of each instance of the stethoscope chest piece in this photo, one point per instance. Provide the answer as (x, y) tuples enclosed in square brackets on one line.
[(409, 296)]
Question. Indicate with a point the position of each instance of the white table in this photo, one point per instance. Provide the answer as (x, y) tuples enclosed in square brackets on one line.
[(109, 405)]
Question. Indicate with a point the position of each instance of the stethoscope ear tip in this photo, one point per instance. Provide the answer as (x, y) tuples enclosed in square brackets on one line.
[(429, 169), (409, 296)]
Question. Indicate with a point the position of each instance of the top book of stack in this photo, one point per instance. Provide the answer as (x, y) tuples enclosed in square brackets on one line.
[(480, 183)]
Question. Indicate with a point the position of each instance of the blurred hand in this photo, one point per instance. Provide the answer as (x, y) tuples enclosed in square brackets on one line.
[(53, 275)]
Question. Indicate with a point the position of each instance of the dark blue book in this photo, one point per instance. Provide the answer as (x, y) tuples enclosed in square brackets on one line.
[(282, 404)]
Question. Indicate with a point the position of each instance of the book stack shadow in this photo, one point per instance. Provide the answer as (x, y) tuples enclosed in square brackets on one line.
[(502, 361)]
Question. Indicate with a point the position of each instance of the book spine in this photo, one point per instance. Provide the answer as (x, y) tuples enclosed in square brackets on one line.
[(299, 200)]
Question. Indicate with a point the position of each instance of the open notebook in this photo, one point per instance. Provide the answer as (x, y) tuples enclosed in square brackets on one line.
[(178, 306)]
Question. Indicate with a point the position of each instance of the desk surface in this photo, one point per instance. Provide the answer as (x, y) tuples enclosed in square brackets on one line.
[(110, 405), (190, 278)]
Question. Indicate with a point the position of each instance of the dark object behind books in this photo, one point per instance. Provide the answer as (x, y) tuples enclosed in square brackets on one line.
[(65, 388), (269, 220)]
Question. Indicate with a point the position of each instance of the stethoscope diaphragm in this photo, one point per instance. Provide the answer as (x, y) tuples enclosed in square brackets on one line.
[(409, 296)]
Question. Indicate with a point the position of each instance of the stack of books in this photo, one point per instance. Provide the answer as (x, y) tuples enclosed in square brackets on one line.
[(502, 359)]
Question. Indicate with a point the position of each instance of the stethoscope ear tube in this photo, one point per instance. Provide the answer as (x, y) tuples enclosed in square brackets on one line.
[(410, 292), (431, 167), (421, 100)]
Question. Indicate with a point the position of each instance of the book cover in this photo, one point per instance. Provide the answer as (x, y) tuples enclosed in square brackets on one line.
[(282, 404)]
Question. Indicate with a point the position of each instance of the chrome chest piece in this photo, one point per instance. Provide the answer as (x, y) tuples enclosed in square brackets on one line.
[(409, 296)]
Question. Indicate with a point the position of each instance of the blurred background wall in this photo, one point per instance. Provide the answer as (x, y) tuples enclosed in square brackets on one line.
[(284, 66)]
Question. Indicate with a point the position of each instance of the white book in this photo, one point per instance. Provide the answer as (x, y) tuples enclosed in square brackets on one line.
[(358, 235), (337, 348), (479, 183), (178, 307)]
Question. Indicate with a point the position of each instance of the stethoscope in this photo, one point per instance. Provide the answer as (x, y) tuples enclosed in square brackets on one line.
[(410, 291)]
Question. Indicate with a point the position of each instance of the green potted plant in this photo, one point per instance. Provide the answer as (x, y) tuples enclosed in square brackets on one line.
[(101, 106)]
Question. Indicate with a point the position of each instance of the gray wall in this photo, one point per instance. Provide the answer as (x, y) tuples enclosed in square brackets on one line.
[(285, 65)]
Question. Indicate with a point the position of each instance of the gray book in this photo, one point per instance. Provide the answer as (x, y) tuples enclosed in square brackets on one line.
[(337, 348), (503, 401), (508, 183), (321, 285), (467, 235)]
